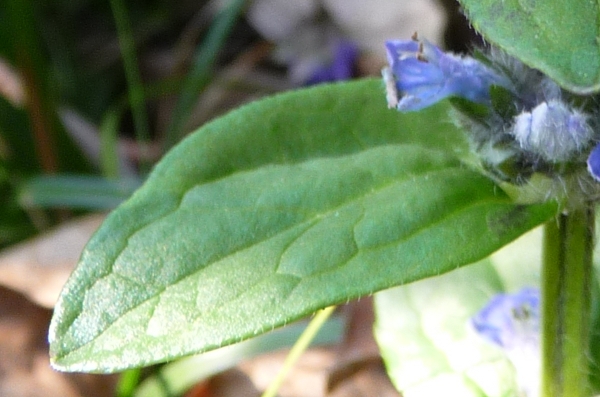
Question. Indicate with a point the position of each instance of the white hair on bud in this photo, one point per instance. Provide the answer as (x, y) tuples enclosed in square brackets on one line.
[(553, 131)]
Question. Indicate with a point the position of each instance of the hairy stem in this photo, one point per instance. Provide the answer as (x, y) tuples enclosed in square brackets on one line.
[(566, 291)]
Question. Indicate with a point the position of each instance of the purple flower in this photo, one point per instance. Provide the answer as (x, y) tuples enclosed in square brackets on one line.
[(553, 131), (345, 54), (424, 75), (512, 322)]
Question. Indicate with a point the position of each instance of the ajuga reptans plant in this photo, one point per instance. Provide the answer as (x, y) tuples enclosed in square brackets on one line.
[(519, 121)]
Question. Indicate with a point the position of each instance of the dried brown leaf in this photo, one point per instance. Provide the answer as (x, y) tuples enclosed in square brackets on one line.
[(39, 267)]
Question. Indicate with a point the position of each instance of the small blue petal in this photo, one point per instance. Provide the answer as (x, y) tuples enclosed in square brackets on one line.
[(512, 322), (509, 319), (593, 163), (425, 75)]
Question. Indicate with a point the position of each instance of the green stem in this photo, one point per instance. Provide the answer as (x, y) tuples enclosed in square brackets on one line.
[(299, 347), (128, 382), (136, 89), (201, 71), (566, 290), (109, 142)]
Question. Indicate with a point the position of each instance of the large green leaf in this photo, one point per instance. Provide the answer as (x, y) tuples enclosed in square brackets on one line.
[(558, 37), (276, 210)]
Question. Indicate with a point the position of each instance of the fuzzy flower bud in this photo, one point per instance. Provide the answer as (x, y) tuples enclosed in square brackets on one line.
[(423, 75), (553, 131), (512, 322)]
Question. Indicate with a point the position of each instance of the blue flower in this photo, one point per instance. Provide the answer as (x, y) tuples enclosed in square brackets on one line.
[(423, 75), (507, 318), (512, 322), (593, 163), (553, 131)]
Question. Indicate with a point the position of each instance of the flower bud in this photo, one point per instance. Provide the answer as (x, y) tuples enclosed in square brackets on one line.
[(553, 131)]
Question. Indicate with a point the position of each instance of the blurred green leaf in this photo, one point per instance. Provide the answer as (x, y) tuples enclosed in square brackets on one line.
[(44, 134), (14, 223), (558, 37), (177, 377), (15, 134), (135, 88), (128, 383), (76, 191), (423, 332), (109, 141), (423, 328), (280, 208)]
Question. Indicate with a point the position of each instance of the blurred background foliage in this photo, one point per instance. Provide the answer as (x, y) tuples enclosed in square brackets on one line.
[(93, 92), (88, 89)]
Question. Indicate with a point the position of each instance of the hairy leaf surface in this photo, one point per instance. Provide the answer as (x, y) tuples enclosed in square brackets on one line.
[(558, 37), (280, 208)]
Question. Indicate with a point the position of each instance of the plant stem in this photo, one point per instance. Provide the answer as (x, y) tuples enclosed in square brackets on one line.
[(20, 18), (566, 293), (299, 347), (128, 382), (201, 71)]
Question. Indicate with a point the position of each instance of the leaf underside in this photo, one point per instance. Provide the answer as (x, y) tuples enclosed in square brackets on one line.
[(558, 37), (280, 208)]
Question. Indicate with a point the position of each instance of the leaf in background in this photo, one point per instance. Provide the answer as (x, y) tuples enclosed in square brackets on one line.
[(76, 191), (425, 340), (54, 149), (204, 62), (595, 321), (282, 207), (18, 149), (177, 377), (424, 334), (555, 36)]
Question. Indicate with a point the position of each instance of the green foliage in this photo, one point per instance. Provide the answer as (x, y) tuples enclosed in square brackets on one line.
[(18, 151), (423, 328), (202, 70), (178, 376), (75, 191), (423, 333), (557, 37), (280, 208)]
